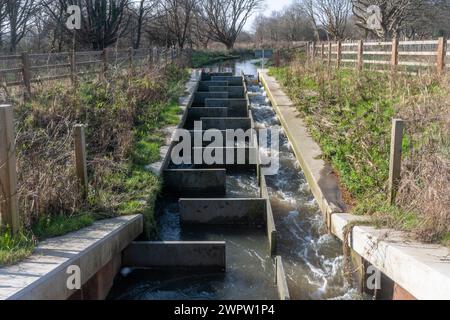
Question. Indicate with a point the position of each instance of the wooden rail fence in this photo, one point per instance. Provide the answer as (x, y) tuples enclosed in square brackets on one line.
[(9, 206), (411, 56), (28, 68)]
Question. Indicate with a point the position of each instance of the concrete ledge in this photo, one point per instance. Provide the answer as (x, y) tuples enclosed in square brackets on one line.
[(226, 123), (195, 180), (176, 255), (223, 211), (283, 290), (43, 275), (423, 270), (324, 185)]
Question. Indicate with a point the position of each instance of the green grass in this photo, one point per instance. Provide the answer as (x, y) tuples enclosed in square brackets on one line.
[(14, 249), (55, 226), (351, 120)]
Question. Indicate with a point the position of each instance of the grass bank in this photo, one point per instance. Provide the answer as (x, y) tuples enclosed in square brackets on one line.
[(124, 118), (349, 114)]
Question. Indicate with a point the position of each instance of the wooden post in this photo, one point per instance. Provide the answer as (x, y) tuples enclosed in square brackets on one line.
[(131, 58), (360, 62), (277, 58), (394, 55), (330, 52), (104, 63), (396, 158), (441, 54), (322, 52), (80, 158), (26, 74), (339, 54), (313, 51), (73, 68), (9, 205)]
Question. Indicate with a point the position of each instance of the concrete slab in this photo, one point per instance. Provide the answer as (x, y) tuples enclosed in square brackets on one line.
[(176, 255), (43, 276), (223, 211)]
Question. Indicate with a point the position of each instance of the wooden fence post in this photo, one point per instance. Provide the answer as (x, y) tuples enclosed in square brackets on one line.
[(339, 54), (396, 158), (131, 58), (330, 51), (80, 158), (322, 52), (313, 51), (26, 74), (360, 62), (9, 205), (394, 55), (441, 55), (73, 68), (104, 63)]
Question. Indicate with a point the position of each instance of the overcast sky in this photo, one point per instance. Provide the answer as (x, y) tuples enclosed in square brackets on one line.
[(271, 5)]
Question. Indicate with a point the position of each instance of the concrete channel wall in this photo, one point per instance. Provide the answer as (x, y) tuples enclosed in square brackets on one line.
[(414, 270), (95, 250), (206, 256)]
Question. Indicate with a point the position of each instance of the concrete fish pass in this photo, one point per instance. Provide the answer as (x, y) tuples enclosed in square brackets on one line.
[(206, 195)]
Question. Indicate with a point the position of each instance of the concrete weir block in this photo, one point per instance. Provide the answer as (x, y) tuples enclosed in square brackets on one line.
[(205, 85), (176, 255), (207, 76), (223, 211), (195, 180), (283, 290), (232, 81), (200, 97), (226, 123), (195, 114), (236, 107), (234, 92), (231, 156)]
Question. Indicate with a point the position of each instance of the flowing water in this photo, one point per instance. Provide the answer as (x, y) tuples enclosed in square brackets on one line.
[(312, 258)]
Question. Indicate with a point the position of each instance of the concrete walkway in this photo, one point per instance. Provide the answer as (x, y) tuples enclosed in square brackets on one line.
[(44, 275)]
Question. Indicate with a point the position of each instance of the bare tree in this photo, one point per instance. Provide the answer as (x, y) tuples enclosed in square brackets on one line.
[(102, 21), (19, 15), (177, 17), (394, 14), (227, 18), (144, 11), (333, 16)]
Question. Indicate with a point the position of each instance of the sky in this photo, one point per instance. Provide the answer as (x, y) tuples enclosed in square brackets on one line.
[(271, 5)]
